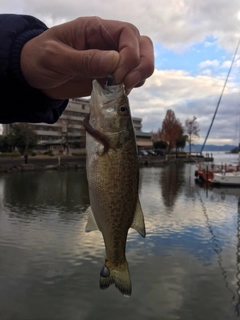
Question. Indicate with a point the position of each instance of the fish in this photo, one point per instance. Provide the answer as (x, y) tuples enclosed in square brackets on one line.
[(113, 179)]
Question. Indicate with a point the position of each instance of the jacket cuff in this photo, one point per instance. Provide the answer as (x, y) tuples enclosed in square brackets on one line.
[(18, 44)]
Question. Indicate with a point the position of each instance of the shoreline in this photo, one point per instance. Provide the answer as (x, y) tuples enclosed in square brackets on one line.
[(37, 163)]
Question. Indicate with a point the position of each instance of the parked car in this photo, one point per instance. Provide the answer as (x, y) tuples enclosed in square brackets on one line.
[(151, 153), (159, 152), (142, 153)]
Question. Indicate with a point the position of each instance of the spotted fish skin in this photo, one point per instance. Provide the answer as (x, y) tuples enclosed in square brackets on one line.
[(113, 174)]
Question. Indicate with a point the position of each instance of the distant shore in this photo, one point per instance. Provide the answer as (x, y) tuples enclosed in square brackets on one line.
[(12, 164)]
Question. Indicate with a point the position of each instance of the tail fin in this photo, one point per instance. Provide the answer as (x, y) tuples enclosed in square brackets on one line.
[(120, 276)]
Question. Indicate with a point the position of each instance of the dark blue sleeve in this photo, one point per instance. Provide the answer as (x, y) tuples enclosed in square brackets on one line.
[(18, 101)]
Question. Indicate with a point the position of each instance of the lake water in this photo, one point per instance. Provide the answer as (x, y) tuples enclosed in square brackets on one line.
[(188, 267)]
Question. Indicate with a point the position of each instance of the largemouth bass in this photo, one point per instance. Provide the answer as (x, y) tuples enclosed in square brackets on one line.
[(113, 174)]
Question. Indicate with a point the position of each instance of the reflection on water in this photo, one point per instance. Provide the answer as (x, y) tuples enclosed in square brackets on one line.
[(172, 178), (188, 267)]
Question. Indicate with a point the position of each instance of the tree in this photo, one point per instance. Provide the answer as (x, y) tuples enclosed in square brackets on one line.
[(181, 141), (192, 130), (23, 137), (66, 129), (160, 145), (4, 144), (156, 135), (171, 129)]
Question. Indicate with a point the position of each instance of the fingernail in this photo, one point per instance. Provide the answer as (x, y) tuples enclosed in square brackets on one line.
[(110, 60), (127, 91)]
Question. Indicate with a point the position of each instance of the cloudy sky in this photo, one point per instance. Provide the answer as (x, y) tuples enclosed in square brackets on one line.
[(194, 45)]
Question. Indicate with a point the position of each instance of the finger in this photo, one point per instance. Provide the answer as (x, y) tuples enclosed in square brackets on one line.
[(72, 89), (128, 90), (129, 50), (145, 69), (95, 63), (70, 62)]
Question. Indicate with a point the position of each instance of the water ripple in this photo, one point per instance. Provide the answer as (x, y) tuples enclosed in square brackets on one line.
[(187, 267)]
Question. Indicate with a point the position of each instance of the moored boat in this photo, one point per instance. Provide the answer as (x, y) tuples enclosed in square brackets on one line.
[(226, 178), (206, 171)]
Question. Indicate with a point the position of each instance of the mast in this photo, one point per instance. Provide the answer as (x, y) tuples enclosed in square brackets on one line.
[(225, 83), (239, 138)]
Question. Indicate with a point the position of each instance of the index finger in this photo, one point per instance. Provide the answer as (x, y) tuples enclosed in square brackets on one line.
[(128, 46), (145, 68)]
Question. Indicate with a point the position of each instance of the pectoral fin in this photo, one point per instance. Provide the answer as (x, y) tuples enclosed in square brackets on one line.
[(91, 224), (99, 136), (138, 220)]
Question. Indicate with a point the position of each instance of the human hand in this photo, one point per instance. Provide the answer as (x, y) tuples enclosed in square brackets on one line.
[(63, 60)]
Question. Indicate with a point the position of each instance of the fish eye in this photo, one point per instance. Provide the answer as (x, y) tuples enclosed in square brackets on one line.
[(123, 110)]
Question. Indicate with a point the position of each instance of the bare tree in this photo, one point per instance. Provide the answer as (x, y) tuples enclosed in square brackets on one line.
[(23, 137), (192, 130), (67, 124), (156, 135)]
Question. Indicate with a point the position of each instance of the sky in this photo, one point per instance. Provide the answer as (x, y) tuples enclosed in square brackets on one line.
[(194, 44)]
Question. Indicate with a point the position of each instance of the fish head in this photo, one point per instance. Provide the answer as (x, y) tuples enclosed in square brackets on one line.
[(110, 112)]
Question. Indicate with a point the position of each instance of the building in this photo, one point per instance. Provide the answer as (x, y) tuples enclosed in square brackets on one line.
[(64, 135), (68, 134), (144, 140)]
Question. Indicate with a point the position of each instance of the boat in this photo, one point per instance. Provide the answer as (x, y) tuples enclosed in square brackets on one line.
[(229, 175), (206, 171), (226, 178), (222, 174)]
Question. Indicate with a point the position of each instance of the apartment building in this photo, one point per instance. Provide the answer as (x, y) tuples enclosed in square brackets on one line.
[(67, 134)]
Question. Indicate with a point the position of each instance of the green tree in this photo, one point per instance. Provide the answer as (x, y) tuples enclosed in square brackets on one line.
[(181, 141), (23, 137), (4, 144), (192, 130), (156, 135), (160, 145)]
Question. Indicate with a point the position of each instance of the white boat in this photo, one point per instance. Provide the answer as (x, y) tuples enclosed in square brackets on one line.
[(226, 178)]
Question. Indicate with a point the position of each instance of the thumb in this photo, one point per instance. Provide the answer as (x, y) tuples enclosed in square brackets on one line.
[(95, 63)]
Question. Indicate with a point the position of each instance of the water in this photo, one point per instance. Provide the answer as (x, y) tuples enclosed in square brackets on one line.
[(222, 157), (188, 267)]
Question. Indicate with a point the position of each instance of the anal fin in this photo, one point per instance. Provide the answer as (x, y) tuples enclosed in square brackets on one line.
[(138, 220), (91, 223)]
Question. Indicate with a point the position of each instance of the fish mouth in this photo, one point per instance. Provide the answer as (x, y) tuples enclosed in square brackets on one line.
[(107, 91), (102, 97)]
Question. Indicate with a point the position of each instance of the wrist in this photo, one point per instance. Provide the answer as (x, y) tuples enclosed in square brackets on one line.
[(16, 55)]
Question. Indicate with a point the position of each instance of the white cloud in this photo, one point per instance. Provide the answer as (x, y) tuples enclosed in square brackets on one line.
[(176, 26), (209, 64), (187, 96), (206, 72), (226, 64), (208, 44)]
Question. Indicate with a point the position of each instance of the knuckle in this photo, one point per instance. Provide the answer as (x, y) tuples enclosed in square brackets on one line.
[(86, 61)]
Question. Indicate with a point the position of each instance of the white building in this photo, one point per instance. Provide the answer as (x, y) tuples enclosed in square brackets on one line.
[(68, 132)]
